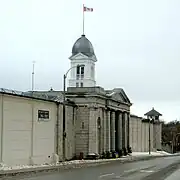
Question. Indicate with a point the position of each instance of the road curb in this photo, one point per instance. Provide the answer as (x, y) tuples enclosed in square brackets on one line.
[(56, 168)]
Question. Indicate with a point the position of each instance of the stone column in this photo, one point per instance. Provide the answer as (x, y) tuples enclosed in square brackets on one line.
[(104, 130), (128, 131), (123, 130), (101, 131), (113, 131), (119, 131), (108, 140)]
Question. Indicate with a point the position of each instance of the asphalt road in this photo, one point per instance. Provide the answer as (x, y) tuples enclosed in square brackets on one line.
[(160, 169)]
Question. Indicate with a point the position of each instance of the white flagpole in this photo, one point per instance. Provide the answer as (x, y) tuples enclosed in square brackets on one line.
[(83, 19)]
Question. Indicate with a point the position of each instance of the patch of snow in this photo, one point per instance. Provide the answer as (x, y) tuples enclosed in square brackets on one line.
[(157, 153), (4, 167), (164, 152)]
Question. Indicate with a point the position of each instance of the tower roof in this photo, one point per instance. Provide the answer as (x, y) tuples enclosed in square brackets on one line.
[(153, 112), (84, 46)]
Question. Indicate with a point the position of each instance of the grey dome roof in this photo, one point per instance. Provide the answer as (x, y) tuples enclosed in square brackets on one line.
[(84, 46)]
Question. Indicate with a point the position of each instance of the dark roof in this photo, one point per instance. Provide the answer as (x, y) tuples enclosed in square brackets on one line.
[(147, 121), (29, 95), (135, 116), (153, 112), (84, 46)]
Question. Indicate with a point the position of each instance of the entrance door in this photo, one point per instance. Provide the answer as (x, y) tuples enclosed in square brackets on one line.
[(99, 134)]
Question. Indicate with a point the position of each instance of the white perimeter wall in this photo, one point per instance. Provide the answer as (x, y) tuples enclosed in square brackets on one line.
[(24, 139), (139, 135)]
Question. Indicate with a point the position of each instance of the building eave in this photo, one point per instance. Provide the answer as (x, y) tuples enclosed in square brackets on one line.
[(29, 97), (83, 95)]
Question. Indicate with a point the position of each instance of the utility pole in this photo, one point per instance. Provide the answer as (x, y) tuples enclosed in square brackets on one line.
[(64, 115)]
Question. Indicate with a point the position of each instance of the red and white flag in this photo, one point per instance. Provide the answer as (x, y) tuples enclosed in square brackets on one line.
[(86, 9)]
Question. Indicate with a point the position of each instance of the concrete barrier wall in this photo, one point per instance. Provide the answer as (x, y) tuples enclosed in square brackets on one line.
[(27, 139), (139, 134)]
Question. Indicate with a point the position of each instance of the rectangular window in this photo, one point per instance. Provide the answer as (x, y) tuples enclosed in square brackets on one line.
[(81, 84), (82, 70), (77, 84), (78, 70)]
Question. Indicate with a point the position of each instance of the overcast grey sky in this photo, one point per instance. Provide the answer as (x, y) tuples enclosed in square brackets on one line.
[(136, 42)]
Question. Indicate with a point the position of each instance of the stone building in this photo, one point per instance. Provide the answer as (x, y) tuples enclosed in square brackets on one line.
[(102, 119), (104, 122)]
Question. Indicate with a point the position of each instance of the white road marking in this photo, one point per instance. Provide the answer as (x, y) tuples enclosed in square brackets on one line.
[(127, 171), (118, 177), (105, 175), (131, 170), (148, 171)]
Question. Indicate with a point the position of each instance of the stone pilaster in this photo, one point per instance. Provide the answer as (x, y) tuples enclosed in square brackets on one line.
[(119, 131), (93, 146), (113, 131), (108, 140), (104, 130)]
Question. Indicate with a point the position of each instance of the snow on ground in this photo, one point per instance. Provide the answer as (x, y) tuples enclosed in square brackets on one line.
[(157, 153), (4, 167)]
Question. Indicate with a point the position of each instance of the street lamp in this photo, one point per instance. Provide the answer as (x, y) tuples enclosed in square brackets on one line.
[(149, 135), (152, 115), (64, 106)]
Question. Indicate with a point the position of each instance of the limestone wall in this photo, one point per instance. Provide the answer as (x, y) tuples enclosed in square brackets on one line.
[(70, 130), (157, 136), (135, 136), (82, 129), (139, 135)]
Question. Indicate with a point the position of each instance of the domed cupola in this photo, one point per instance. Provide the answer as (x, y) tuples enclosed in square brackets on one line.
[(84, 46), (82, 54)]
